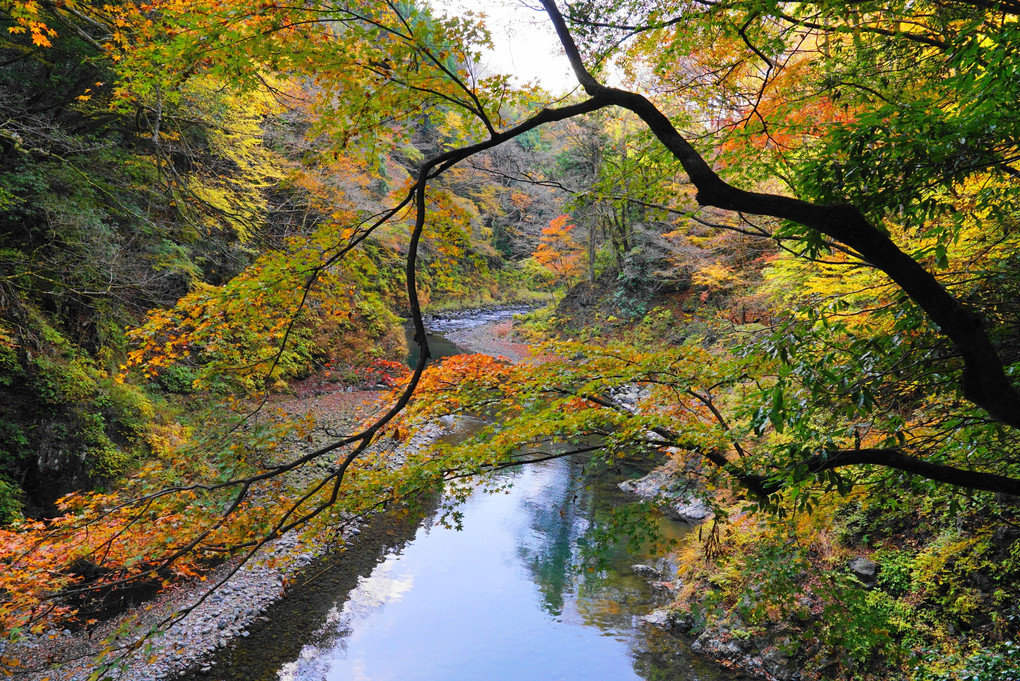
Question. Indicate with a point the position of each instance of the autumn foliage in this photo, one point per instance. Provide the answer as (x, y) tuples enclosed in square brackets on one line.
[(558, 250), (220, 199)]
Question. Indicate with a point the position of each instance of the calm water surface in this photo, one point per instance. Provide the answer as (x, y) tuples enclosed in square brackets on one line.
[(501, 598)]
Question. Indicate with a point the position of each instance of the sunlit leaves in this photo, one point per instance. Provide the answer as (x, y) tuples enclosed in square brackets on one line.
[(587, 400), (369, 66), (558, 250), (29, 19)]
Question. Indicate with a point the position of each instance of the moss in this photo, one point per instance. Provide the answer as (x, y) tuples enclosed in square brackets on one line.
[(11, 506)]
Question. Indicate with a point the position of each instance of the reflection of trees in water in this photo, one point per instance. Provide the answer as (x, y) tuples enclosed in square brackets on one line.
[(565, 504), (560, 512), (554, 524)]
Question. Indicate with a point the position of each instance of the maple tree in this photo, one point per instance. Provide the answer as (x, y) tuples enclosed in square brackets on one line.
[(877, 139), (557, 250)]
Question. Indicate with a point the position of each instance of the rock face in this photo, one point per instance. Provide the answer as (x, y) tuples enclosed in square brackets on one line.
[(675, 494), (761, 655)]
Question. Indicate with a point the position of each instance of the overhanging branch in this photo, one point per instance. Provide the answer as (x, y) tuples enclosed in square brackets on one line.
[(984, 380), (893, 458)]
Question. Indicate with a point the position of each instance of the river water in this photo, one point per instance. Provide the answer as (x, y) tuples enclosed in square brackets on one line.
[(502, 597)]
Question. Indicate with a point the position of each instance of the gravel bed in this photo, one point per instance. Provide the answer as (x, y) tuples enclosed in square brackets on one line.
[(224, 615), (492, 339)]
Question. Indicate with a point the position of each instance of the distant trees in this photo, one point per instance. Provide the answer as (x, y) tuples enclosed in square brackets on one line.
[(558, 250)]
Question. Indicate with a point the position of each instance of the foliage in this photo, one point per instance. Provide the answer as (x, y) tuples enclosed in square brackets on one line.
[(153, 168), (558, 251), (999, 663)]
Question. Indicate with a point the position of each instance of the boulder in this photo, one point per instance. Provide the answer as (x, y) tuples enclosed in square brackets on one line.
[(673, 492), (689, 510), (866, 571), (780, 665), (658, 618), (646, 571)]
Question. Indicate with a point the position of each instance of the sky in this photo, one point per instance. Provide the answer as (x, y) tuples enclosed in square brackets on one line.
[(524, 42)]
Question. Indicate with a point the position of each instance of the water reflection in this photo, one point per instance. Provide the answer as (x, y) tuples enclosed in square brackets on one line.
[(500, 599), (546, 548)]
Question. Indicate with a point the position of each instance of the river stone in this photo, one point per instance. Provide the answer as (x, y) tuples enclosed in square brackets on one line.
[(864, 570), (710, 643), (779, 665), (657, 618), (629, 396), (674, 493), (690, 510), (645, 570)]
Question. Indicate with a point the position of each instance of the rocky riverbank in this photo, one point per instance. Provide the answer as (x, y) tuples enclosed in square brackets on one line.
[(239, 593), (725, 640), (243, 592), (215, 620)]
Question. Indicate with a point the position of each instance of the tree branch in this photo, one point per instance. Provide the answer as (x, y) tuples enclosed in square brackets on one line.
[(893, 458), (984, 380)]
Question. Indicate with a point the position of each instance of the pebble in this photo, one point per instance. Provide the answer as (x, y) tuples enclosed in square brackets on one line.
[(213, 624)]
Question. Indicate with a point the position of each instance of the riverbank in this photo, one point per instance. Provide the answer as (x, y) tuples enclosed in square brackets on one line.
[(247, 591), (241, 594)]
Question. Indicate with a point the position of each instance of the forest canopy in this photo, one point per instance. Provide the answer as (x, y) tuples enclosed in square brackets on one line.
[(802, 217)]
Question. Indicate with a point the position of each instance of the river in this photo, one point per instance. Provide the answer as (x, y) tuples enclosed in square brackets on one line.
[(502, 597)]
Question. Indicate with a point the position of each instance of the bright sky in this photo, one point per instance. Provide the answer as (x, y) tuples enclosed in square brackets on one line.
[(524, 41)]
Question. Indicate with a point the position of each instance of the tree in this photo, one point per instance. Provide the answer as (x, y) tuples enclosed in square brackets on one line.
[(821, 226), (845, 174), (983, 380), (558, 250), (845, 228)]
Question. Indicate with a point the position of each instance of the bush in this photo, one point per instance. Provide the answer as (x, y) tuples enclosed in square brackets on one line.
[(127, 407), (998, 663), (176, 379), (895, 573), (10, 502)]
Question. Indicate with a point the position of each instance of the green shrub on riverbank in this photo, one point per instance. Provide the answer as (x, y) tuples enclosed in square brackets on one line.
[(841, 599)]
